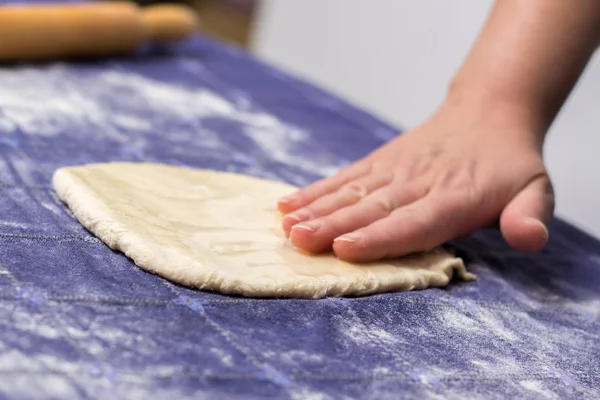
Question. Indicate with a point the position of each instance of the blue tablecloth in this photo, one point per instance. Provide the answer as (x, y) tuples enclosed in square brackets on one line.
[(78, 320)]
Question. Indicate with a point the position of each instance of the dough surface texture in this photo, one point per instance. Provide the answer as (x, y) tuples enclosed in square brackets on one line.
[(221, 231)]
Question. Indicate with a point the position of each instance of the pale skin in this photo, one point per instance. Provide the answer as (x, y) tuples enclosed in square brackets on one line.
[(477, 161)]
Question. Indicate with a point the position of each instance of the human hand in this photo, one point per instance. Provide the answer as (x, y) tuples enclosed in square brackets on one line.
[(464, 169)]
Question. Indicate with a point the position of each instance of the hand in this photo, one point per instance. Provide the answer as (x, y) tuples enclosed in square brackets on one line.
[(462, 170)]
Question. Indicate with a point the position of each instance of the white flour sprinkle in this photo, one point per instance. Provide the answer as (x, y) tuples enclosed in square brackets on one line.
[(368, 335), (537, 387), (55, 100)]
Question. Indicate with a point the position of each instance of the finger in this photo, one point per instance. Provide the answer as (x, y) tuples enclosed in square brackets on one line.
[(417, 227), (523, 221), (322, 187), (350, 193), (317, 235)]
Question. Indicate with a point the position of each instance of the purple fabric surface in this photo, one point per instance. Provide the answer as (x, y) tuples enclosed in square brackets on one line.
[(78, 320)]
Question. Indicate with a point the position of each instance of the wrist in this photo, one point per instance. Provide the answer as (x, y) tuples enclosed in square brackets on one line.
[(510, 98), (484, 107)]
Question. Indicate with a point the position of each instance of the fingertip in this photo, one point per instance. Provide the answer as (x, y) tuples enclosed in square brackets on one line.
[(525, 234), (305, 236), (288, 222), (294, 218), (346, 251), (287, 204), (299, 237), (523, 220), (352, 247)]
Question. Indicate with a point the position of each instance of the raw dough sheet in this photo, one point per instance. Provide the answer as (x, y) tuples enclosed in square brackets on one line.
[(221, 231)]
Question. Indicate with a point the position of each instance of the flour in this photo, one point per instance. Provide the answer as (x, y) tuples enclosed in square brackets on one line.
[(368, 335), (295, 356), (537, 387), (278, 147), (110, 102), (223, 356), (498, 365), (53, 386), (305, 394), (494, 324), (453, 319)]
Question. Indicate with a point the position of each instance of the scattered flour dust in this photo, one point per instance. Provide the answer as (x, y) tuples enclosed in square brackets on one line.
[(52, 385), (454, 319), (495, 324), (295, 356), (484, 322), (223, 356), (305, 394), (497, 365), (56, 99), (537, 387), (368, 335)]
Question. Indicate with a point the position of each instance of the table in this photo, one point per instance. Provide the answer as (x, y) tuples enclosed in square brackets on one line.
[(78, 320)]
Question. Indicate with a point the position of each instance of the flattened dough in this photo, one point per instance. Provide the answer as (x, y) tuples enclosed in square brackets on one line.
[(221, 231)]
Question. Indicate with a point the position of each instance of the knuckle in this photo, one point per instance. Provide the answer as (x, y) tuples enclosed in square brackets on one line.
[(427, 160), (384, 177), (305, 212), (316, 209), (461, 186), (384, 204), (548, 196), (418, 167), (420, 225), (461, 181), (418, 217), (357, 189)]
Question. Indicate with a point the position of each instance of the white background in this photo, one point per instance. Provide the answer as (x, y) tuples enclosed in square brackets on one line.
[(395, 58)]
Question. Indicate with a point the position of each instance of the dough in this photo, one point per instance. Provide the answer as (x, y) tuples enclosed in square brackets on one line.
[(221, 231)]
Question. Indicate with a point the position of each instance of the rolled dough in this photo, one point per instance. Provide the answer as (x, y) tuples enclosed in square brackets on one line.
[(221, 231)]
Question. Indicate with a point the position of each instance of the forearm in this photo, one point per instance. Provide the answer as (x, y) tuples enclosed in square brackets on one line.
[(529, 56)]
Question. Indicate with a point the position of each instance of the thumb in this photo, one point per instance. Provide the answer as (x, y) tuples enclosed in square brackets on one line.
[(523, 221)]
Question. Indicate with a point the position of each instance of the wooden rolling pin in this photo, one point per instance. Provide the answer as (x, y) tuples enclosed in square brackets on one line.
[(88, 30)]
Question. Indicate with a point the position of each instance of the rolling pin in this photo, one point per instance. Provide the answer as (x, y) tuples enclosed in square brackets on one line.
[(45, 32)]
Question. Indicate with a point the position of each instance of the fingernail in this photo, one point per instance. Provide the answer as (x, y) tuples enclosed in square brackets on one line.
[(350, 238), (311, 226), (287, 199), (298, 216), (293, 217), (540, 223)]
